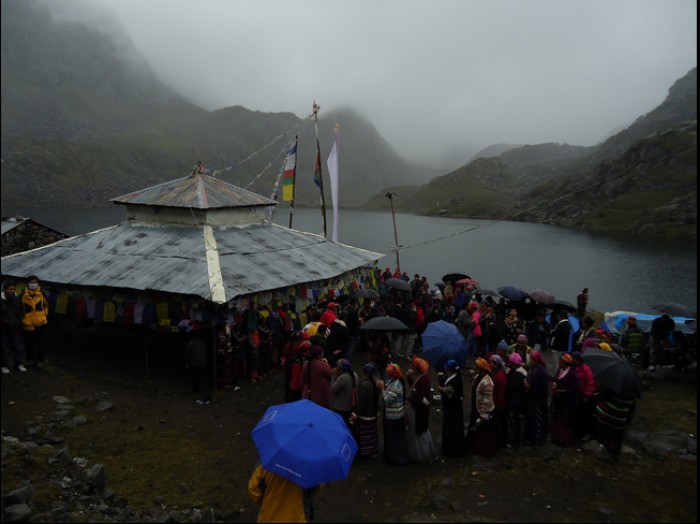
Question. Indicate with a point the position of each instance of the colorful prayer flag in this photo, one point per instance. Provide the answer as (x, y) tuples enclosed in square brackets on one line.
[(290, 168)]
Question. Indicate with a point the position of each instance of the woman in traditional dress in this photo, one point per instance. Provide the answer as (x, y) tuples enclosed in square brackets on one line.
[(452, 393), (481, 438), (516, 399), (498, 375), (365, 415), (613, 412), (421, 448), (394, 393), (565, 400), (316, 378), (344, 390), (537, 416)]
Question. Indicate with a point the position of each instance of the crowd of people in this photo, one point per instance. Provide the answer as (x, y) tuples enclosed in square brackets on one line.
[(528, 380), (24, 318), (525, 370)]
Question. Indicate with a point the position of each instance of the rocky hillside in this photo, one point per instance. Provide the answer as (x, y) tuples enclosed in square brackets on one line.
[(84, 119), (642, 180)]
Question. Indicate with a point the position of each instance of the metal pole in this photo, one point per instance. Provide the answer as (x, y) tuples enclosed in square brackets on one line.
[(390, 196)]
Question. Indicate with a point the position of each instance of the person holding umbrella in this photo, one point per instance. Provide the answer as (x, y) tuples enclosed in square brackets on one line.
[(280, 499), (301, 447), (613, 412)]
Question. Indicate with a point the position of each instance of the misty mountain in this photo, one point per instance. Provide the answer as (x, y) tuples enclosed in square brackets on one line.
[(642, 180), (494, 150), (84, 119)]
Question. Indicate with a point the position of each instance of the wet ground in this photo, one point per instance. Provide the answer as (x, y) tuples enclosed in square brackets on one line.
[(162, 450)]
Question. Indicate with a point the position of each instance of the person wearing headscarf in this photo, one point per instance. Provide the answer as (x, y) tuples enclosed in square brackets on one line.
[(451, 394), (481, 439), (587, 390), (516, 399), (565, 401), (521, 347), (498, 375), (537, 386), (394, 394), (421, 448), (344, 390), (316, 378), (364, 417)]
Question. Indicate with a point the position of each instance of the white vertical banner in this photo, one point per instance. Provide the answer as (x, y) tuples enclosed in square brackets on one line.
[(333, 172)]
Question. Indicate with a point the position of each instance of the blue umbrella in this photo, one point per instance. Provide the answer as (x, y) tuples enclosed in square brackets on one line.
[(443, 341), (512, 293), (305, 443)]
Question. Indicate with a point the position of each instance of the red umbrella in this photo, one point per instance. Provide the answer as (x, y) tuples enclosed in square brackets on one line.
[(469, 282)]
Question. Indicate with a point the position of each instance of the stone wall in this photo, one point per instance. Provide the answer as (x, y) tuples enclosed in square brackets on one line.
[(28, 235)]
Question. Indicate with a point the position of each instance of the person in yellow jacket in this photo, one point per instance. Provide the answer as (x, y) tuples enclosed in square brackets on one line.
[(280, 499), (35, 309)]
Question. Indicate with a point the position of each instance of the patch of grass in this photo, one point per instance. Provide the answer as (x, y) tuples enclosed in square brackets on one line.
[(154, 462)]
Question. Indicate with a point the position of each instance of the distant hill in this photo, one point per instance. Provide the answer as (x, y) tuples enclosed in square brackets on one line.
[(642, 180), (493, 150), (84, 119)]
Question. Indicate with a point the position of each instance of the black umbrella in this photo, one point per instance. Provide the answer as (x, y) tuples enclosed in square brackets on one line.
[(366, 293), (613, 372), (675, 309), (562, 304), (454, 277), (398, 283), (512, 293), (385, 323), (542, 296), (484, 292), (441, 285)]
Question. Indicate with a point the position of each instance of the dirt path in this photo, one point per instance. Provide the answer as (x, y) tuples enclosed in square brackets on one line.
[(161, 450)]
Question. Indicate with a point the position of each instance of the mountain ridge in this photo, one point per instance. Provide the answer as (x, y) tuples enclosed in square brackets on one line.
[(81, 124)]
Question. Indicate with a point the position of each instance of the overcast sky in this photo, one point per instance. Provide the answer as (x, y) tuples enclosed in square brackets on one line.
[(430, 75)]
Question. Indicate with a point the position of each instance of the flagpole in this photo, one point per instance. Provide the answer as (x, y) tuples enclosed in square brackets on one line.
[(294, 184), (319, 169), (391, 196)]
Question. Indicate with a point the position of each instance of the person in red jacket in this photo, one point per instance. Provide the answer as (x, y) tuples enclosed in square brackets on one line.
[(587, 391), (330, 314)]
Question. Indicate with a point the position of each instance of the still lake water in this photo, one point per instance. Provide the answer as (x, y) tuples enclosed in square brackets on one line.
[(621, 272)]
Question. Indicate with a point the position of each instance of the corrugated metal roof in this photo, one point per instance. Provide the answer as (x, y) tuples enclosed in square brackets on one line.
[(173, 259), (194, 191)]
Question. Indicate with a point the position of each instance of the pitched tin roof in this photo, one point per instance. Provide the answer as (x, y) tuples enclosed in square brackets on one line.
[(215, 263), (194, 191)]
